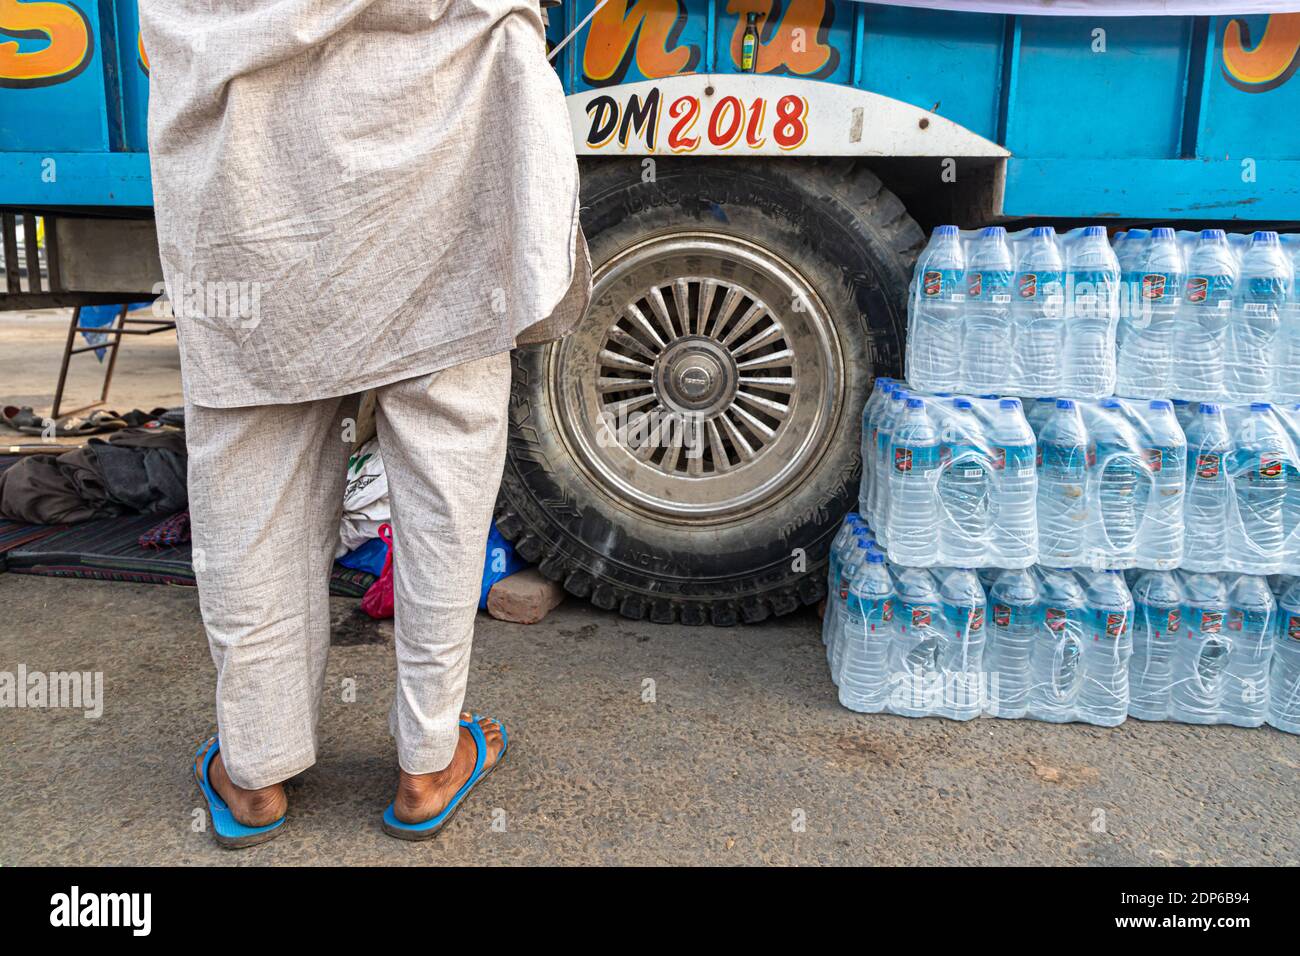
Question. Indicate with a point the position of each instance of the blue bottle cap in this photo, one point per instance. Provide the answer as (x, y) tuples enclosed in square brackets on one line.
[(914, 403), (900, 394), (1110, 403), (1064, 403), (947, 232), (883, 380), (1162, 232), (1261, 407), (1042, 232), (943, 394), (1160, 405), (1009, 403), (875, 557), (1048, 399), (1094, 231), (990, 232), (853, 516), (1180, 402), (1208, 408), (1264, 238), (961, 403), (1213, 234)]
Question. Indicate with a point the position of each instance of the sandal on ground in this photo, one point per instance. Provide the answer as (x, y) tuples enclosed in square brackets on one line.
[(433, 826)]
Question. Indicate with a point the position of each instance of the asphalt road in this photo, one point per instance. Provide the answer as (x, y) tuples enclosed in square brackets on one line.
[(631, 743)]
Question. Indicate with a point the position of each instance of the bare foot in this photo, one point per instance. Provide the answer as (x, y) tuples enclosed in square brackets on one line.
[(422, 796), (252, 808)]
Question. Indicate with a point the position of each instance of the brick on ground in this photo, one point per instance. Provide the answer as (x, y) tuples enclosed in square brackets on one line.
[(524, 598)]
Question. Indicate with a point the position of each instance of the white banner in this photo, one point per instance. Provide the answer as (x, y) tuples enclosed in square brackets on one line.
[(1106, 8)]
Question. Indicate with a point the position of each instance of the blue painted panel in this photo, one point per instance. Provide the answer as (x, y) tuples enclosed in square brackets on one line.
[(1150, 189), (55, 100), (1070, 101), (82, 179), (1251, 109), (134, 78), (947, 62)]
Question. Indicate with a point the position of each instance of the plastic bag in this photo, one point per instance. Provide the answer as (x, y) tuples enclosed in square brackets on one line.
[(378, 599)]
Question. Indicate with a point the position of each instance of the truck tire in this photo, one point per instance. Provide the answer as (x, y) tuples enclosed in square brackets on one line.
[(749, 303)]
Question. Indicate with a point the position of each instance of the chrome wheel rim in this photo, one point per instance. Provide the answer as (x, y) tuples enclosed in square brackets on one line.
[(705, 380)]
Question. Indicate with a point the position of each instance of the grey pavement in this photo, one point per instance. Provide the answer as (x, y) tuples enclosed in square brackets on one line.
[(630, 743)]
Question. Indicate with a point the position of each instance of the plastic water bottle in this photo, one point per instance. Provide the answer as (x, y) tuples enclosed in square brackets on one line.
[(1284, 672), (913, 661), (840, 550), (1205, 514), (1123, 488), (1062, 479), (1252, 621), (890, 414), (1092, 291), (1201, 657), (1056, 660), (1160, 537), (1258, 480), (1015, 485), (986, 340), (1039, 411), (959, 652), (1291, 501), (868, 631), (1145, 363), (1202, 322), (1038, 314), (964, 487), (935, 334), (1287, 381), (871, 413), (1157, 627), (1130, 249), (912, 515), (1258, 303), (1107, 648), (1014, 626)]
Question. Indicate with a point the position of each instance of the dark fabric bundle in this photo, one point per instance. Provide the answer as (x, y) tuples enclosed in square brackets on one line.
[(137, 471)]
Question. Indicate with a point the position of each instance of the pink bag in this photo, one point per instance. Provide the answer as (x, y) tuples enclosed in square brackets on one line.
[(378, 602)]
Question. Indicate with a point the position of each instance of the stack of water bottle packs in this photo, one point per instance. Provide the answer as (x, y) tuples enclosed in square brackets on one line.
[(1101, 483), (1200, 316), (971, 482), (1060, 645)]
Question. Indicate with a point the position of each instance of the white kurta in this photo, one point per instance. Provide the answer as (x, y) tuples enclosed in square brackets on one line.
[(355, 192)]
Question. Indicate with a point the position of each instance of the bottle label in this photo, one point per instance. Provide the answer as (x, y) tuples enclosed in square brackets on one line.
[(1160, 621), (1250, 621), (1004, 615), (1015, 457), (1056, 618), (915, 615), (916, 459), (993, 285), (941, 282), (1209, 465), (1214, 292), (1158, 458), (1034, 285), (1157, 286), (1063, 457), (1293, 626), (1211, 622), (965, 621), (1112, 624)]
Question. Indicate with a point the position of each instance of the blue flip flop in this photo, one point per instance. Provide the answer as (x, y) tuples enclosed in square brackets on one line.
[(433, 826), (228, 831)]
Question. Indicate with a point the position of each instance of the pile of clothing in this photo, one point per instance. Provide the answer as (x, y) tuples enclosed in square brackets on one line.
[(136, 471)]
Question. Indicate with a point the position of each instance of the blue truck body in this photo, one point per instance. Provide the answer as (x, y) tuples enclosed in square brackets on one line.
[(1124, 118)]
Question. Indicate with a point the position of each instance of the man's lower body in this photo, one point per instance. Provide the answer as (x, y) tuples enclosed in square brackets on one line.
[(266, 495)]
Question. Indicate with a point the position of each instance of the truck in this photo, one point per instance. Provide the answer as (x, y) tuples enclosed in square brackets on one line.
[(758, 177)]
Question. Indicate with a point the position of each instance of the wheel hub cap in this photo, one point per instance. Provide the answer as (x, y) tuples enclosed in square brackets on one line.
[(705, 380)]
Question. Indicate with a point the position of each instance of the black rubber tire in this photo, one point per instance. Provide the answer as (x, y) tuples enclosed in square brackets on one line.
[(854, 242)]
